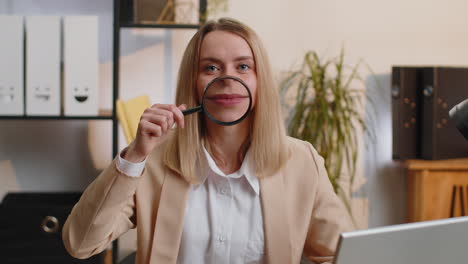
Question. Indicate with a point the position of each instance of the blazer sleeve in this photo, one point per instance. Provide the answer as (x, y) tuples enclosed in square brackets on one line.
[(105, 211), (328, 220)]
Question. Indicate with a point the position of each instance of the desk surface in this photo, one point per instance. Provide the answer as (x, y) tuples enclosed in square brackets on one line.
[(451, 164)]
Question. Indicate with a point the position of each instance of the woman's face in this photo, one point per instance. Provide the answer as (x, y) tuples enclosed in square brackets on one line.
[(223, 53)]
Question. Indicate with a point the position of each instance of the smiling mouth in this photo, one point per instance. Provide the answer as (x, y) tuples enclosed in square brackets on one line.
[(6, 98), (81, 99), (42, 97), (227, 99)]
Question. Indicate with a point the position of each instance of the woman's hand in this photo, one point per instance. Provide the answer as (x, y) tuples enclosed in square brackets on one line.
[(153, 128)]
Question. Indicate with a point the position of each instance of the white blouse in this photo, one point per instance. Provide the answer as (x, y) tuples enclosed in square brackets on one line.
[(223, 218)]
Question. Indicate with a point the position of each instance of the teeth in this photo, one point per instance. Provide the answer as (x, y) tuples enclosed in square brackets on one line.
[(43, 97), (6, 98), (81, 99)]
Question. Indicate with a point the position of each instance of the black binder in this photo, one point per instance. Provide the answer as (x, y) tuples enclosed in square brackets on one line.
[(406, 112), (443, 88)]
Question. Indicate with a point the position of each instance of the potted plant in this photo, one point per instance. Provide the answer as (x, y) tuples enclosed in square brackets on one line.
[(327, 111)]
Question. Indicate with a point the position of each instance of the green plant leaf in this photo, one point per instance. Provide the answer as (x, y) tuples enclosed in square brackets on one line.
[(328, 112)]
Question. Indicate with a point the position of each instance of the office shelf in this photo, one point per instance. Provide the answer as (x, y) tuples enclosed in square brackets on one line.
[(103, 115), (166, 26)]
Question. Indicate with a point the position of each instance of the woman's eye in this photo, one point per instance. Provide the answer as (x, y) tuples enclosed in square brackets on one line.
[(244, 67), (211, 68)]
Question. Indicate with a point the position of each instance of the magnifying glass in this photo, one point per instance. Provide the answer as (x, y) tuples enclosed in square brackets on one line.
[(226, 101)]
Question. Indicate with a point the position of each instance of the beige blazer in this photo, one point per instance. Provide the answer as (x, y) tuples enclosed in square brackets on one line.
[(301, 212)]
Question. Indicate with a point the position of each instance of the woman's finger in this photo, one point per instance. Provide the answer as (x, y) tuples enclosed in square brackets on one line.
[(176, 112), (178, 115), (160, 112), (150, 128)]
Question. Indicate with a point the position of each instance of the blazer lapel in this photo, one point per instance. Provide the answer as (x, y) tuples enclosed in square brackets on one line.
[(277, 236), (170, 219)]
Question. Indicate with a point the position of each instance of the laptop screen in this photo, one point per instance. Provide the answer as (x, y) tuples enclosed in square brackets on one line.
[(430, 242)]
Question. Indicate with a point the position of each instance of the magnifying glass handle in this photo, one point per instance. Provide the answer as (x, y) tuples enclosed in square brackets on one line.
[(192, 110)]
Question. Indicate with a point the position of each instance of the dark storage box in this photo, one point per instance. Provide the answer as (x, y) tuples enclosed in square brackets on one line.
[(421, 100), (31, 228)]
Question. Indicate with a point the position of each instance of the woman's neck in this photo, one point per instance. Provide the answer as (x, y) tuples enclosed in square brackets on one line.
[(226, 144)]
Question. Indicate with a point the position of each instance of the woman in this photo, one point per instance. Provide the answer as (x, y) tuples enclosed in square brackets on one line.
[(206, 193)]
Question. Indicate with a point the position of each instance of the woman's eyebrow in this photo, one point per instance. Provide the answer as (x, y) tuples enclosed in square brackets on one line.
[(210, 59), (216, 60), (243, 58)]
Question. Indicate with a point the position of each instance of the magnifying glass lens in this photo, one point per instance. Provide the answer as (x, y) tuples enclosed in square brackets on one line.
[(226, 101)]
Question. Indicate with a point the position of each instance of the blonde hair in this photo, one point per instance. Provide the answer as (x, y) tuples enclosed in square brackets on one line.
[(268, 138)]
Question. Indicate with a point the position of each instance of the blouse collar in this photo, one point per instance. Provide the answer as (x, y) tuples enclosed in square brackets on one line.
[(246, 170)]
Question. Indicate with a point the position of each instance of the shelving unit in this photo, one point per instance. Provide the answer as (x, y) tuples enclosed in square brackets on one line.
[(123, 18), (107, 115), (103, 115)]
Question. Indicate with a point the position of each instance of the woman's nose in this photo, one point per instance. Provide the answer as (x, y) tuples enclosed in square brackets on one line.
[(230, 71), (228, 82)]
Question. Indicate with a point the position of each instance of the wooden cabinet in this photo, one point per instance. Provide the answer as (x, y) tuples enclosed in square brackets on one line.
[(437, 189)]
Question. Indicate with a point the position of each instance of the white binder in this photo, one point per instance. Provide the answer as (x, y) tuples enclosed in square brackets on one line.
[(80, 65), (43, 65), (11, 65)]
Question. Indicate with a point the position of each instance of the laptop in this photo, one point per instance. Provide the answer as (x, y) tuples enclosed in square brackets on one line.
[(430, 242)]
